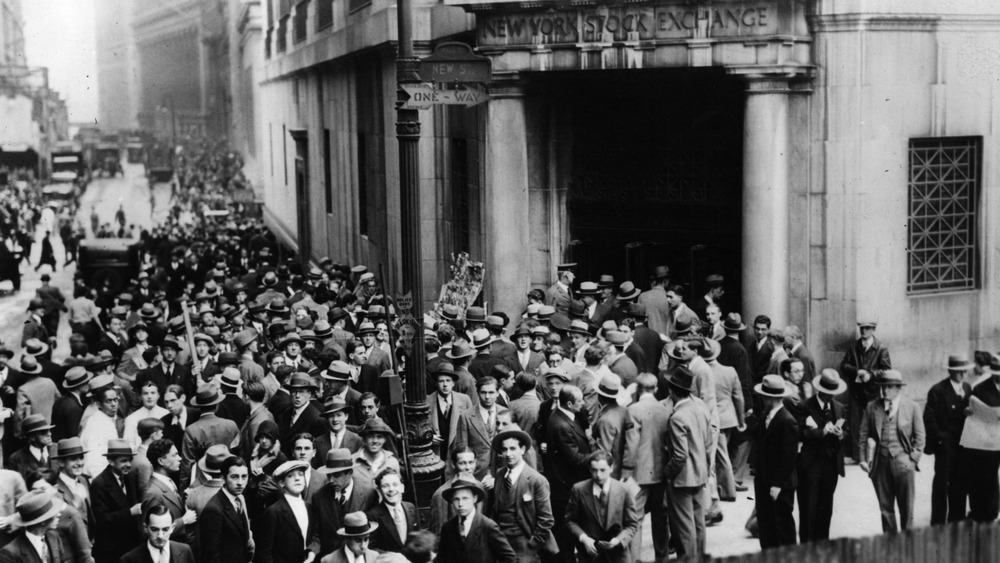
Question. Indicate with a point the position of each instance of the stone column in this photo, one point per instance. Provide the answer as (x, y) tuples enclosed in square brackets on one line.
[(506, 199), (765, 198)]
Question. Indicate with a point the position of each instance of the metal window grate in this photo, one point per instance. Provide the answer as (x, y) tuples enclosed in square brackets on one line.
[(943, 214)]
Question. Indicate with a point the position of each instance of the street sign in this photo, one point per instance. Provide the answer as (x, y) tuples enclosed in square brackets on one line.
[(423, 96), (455, 62)]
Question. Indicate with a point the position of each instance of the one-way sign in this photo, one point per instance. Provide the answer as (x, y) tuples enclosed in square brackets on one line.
[(423, 96)]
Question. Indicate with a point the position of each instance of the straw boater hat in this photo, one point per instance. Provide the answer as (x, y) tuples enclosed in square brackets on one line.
[(959, 362), (339, 370), (356, 525), (36, 507), (75, 377), (609, 386), (35, 347), (771, 386), (337, 460), (481, 338), (829, 382), (627, 291)]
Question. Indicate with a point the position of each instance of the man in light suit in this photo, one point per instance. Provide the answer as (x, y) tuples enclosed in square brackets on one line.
[(72, 485), (984, 505), (37, 516), (729, 400), (520, 501), (447, 407), (159, 524), (478, 426), (524, 358), (560, 293), (611, 422), (208, 430), (645, 438), (601, 515), (224, 519), (356, 537), (895, 425)]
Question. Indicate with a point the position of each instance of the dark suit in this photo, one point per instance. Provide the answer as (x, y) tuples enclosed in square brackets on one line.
[(386, 537), (484, 544), (531, 511), (159, 492), (279, 535), (174, 432), (322, 444), (109, 344), (821, 463), (875, 360), (22, 551), (234, 408), (309, 421), (179, 553), (944, 420), (652, 347), (617, 518), (116, 531), (566, 464), (777, 449), (984, 500), (326, 515), (24, 462), (181, 376), (229, 532), (733, 354)]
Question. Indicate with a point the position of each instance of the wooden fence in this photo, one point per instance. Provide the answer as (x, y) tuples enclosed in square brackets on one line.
[(963, 542)]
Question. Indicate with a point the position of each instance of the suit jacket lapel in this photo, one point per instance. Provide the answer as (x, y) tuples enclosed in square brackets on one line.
[(386, 521), (475, 530), (477, 422), (591, 501), (615, 499)]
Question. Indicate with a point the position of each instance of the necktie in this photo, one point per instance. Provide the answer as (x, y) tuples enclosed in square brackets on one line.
[(400, 519), (602, 506), (45, 458), (164, 555), (491, 424), (45, 550), (509, 479), (239, 506), (888, 409), (463, 529)]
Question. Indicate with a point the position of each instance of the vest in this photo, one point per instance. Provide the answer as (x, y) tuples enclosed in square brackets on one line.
[(506, 504), (889, 436)]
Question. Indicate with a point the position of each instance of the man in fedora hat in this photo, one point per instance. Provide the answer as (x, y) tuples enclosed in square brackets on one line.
[(303, 416), (944, 420), (610, 421), (730, 404), (38, 394), (169, 371), (337, 435), (338, 382), (733, 354), (37, 431), (524, 358), (520, 503), (376, 356), (984, 488), (247, 343), (232, 407), (861, 367), (566, 452), (821, 457), (159, 525), (73, 487), (372, 458), (355, 535), (447, 407), (224, 523), (33, 325), (284, 533), (484, 360), (893, 431), (460, 356), (208, 430), (117, 504), (560, 293), (777, 452), (38, 542), (471, 535), (341, 495)]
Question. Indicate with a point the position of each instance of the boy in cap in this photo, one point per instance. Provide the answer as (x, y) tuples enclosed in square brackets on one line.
[(286, 526), (470, 535)]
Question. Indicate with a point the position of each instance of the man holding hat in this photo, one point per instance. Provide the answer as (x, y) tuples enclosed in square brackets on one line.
[(861, 367), (601, 516), (117, 504), (470, 535), (944, 420), (208, 430), (342, 494), (821, 456), (286, 527), (560, 293), (37, 517), (777, 452), (356, 534), (35, 455)]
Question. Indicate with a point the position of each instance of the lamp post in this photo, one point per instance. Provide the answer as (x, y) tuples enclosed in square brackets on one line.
[(425, 465)]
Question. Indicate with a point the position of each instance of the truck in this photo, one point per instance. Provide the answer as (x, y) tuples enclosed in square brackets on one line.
[(68, 178)]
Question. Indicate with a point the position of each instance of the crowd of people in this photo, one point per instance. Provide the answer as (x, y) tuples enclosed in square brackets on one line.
[(228, 406)]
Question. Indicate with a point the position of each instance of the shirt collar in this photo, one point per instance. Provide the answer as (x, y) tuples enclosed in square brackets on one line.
[(36, 452), (515, 472), (69, 481), (229, 496), (351, 557), (36, 541), (957, 386), (154, 552), (596, 489), (568, 413), (346, 493)]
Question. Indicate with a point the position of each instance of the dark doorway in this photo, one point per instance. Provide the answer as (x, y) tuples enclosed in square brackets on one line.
[(655, 174), (302, 196)]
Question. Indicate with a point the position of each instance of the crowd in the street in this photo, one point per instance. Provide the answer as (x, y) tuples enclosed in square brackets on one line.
[(229, 406)]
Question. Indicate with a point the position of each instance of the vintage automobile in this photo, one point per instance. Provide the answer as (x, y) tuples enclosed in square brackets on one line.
[(108, 263), (107, 159)]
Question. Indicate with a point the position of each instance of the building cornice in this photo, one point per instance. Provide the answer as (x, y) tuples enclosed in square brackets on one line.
[(853, 22)]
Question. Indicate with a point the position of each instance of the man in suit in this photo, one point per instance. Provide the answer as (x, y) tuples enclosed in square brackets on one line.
[(33, 325), (223, 522), (114, 339), (35, 455), (180, 416), (601, 516), (255, 393), (729, 402), (658, 309), (470, 535), (68, 410), (796, 348), (944, 420), (356, 538), (566, 460), (821, 456), (984, 489), (895, 425), (863, 364), (38, 542), (610, 427), (159, 524), (560, 293), (775, 480), (524, 358), (71, 485), (168, 371), (286, 526), (447, 407), (477, 427), (341, 495), (117, 505), (335, 411), (303, 450), (209, 429), (733, 354), (520, 503), (762, 349), (166, 462), (53, 302), (303, 416), (395, 517)]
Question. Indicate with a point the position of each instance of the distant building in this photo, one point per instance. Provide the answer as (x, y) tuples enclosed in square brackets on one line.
[(117, 66)]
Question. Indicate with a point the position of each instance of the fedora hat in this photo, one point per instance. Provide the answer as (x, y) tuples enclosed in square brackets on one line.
[(228, 359), (277, 306), (771, 386), (337, 460), (148, 311), (557, 371), (710, 350), (172, 342), (119, 448), (35, 347), (587, 288), (176, 326), (579, 326), (475, 315), (300, 380), (683, 325), (243, 338), (309, 335), (682, 378), (565, 267), (356, 525), (628, 291), (460, 350), (34, 423), (287, 467), (366, 327), (336, 314), (893, 377), (577, 309), (36, 507), (120, 312), (994, 364), (481, 338), (465, 483), (515, 432), (733, 323), (521, 330), (334, 404), (714, 280), (230, 377), (30, 365), (375, 426), (445, 368), (290, 338), (214, 456), (35, 304), (270, 279), (69, 447), (206, 396), (616, 338), (545, 312), (75, 377), (636, 310), (606, 281), (959, 362), (660, 273), (211, 288), (339, 370), (322, 328), (256, 307), (829, 382), (609, 386)]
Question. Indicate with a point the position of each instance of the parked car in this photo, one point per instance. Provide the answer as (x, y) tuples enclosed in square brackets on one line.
[(108, 263)]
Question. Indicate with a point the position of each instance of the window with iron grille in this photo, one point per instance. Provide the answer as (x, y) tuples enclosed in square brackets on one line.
[(943, 214), (299, 22), (324, 14)]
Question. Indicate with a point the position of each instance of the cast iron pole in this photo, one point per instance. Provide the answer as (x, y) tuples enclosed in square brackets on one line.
[(425, 465)]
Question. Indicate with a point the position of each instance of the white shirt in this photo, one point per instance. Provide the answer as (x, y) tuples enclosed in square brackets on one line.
[(466, 524), (523, 357), (957, 386), (351, 558), (296, 413), (514, 472), (36, 453), (444, 403), (166, 480), (79, 491), (154, 552), (770, 415), (131, 432), (485, 414), (892, 406), (569, 413), (232, 500), (337, 439), (301, 514), (598, 490), (37, 542)]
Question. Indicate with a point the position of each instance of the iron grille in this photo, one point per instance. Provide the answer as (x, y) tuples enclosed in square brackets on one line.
[(943, 211)]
